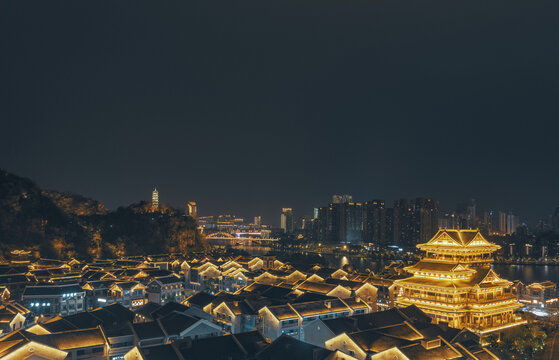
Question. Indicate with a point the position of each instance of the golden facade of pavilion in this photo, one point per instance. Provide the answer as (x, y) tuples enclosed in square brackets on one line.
[(454, 283)]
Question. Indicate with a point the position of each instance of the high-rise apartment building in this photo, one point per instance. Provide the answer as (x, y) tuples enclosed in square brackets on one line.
[(428, 216), (340, 223), (471, 215), (352, 223), (402, 223), (502, 222), (374, 224), (405, 225), (415, 221), (493, 226), (447, 221), (513, 222), (307, 223), (287, 220)]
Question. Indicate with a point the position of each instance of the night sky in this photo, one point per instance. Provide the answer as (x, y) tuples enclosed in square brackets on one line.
[(249, 106)]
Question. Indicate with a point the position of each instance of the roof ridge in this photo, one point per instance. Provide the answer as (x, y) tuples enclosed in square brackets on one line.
[(158, 322), (239, 344)]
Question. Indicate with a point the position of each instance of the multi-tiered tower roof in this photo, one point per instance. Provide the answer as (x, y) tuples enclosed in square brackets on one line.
[(454, 283), (155, 200)]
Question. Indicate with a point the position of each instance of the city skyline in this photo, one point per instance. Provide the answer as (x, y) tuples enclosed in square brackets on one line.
[(297, 215)]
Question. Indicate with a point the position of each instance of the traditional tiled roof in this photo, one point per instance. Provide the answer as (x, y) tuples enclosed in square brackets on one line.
[(147, 309), (109, 317), (159, 352), (168, 308), (543, 284), (200, 299), (240, 307), (426, 265), (319, 287), (402, 331), (165, 280), (156, 272), (458, 239), (320, 307), (14, 279), (356, 303), (307, 297), (52, 290), (415, 314), (348, 284), (287, 347), (283, 312), (220, 347), (11, 345), (148, 330), (374, 341), (175, 323), (15, 307), (98, 284), (419, 352), (479, 279), (71, 339)]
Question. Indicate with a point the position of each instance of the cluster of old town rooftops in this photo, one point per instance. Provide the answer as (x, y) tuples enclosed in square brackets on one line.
[(211, 307)]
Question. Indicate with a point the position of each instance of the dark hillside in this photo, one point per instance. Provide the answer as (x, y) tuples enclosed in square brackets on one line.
[(64, 225)]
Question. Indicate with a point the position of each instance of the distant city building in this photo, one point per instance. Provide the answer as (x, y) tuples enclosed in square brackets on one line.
[(374, 224), (471, 215), (192, 209), (341, 199), (307, 223), (493, 226), (513, 222), (447, 221), (231, 224), (287, 223), (405, 225), (225, 223), (502, 222), (415, 221), (155, 200), (341, 223)]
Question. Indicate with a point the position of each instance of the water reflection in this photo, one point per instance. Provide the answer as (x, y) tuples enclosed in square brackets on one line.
[(528, 273)]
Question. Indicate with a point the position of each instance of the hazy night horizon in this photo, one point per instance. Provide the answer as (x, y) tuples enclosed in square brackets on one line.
[(375, 99)]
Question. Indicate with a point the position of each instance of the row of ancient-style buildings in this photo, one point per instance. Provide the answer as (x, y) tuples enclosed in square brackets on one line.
[(176, 331), (171, 301), (50, 287)]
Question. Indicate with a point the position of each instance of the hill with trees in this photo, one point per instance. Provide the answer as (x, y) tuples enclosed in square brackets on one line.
[(64, 225)]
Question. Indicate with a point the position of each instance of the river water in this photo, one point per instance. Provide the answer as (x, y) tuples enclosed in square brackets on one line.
[(525, 273)]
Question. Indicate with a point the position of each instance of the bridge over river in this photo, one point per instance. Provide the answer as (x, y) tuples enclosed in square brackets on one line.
[(222, 238)]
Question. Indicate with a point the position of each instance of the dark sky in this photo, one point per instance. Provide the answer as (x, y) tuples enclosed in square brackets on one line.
[(249, 106)]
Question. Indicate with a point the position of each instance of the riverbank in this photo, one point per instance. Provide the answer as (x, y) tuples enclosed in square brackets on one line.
[(527, 262)]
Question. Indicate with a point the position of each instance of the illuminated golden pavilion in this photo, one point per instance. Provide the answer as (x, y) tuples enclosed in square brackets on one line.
[(454, 283)]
